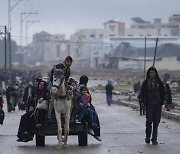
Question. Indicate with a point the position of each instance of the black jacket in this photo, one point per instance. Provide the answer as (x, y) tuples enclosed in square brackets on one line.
[(145, 89), (109, 88)]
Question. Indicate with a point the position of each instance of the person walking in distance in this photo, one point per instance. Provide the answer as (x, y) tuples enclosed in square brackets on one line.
[(168, 91), (153, 97), (109, 88)]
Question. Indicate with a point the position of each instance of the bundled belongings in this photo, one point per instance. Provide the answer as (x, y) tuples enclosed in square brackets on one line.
[(2, 115)]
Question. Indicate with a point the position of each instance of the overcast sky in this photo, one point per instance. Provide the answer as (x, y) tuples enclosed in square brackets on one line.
[(66, 16)]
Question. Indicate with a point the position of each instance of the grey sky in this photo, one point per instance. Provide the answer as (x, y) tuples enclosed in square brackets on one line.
[(66, 16)]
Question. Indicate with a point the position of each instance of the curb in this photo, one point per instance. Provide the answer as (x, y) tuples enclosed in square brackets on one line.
[(167, 114)]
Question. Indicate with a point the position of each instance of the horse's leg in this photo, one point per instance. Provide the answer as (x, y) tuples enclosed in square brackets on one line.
[(66, 127), (58, 118)]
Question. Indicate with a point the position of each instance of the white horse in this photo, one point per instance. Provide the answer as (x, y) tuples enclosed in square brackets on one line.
[(62, 102)]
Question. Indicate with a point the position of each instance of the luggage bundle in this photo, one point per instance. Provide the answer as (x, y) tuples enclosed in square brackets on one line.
[(2, 116)]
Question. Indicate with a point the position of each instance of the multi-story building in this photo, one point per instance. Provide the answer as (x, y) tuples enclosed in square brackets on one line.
[(114, 28), (80, 45), (56, 49), (98, 47), (48, 49), (140, 27), (86, 41), (38, 46)]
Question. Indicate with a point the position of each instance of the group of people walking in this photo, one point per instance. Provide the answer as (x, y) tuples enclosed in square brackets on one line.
[(153, 94)]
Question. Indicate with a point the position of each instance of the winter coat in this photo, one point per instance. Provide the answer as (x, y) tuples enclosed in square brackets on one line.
[(145, 89)]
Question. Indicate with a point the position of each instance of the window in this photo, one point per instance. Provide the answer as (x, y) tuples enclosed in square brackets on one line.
[(92, 35), (101, 36), (112, 27), (112, 35)]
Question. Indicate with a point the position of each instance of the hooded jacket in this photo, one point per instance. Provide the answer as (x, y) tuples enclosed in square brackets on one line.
[(145, 88)]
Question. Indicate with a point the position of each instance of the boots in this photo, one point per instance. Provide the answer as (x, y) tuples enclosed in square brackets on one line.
[(147, 140), (154, 141)]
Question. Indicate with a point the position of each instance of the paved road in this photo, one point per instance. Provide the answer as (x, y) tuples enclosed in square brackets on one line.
[(122, 131)]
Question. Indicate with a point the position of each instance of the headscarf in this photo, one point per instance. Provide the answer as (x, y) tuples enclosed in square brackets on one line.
[(40, 93), (109, 82)]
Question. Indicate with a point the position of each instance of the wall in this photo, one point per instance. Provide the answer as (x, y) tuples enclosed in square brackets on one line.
[(169, 63)]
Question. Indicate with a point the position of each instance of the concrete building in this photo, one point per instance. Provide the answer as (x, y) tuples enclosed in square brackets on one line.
[(100, 47), (80, 45), (56, 49), (87, 44), (47, 49), (130, 53), (140, 27), (165, 63), (38, 46), (114, 28)]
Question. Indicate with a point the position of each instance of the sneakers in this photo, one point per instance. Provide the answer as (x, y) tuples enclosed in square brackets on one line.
[(91, 132), (24, 140), (154, 142), (98, 138), (147, 140)]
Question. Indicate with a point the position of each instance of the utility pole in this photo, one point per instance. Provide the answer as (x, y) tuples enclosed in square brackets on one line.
[(155, 52), (21, 24), (5, 51), (10, 57), (28, 26), (5, 57), (10, 8), (145, 59)]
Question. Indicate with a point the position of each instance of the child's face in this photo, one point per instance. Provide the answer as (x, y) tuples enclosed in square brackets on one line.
[(41, 85), (73, 85), (84, 91)]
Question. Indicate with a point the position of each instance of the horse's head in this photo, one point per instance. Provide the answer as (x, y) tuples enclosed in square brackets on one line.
[(58, 79)]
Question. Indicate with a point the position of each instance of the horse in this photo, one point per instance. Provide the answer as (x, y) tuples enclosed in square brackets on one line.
[(62, 102)]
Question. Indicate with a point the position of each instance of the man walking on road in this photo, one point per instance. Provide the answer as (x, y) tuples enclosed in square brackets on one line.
[(153, 97)]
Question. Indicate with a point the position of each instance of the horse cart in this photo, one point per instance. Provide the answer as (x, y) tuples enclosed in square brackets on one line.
[(50, 129)]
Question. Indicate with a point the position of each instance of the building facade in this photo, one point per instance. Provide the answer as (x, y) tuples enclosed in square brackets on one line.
[(140, 27)]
